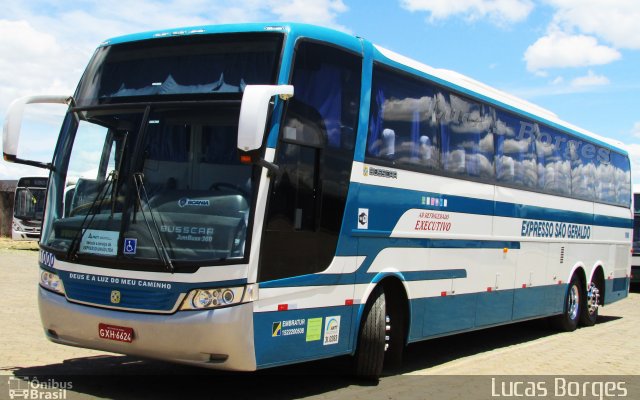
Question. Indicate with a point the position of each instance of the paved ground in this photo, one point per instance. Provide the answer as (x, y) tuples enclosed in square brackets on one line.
[(438, 368)]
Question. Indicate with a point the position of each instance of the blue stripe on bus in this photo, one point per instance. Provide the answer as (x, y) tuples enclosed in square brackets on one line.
[(136, 294), (439, 316), (349, 279), (372, 247)]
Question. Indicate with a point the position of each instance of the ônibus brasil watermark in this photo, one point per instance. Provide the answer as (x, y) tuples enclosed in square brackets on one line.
[(35, 389)]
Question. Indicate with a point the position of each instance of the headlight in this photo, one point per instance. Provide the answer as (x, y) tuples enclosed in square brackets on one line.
[(201, 299), (51, 281)]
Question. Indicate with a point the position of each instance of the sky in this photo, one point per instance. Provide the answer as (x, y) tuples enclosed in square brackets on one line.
[(578, 58)]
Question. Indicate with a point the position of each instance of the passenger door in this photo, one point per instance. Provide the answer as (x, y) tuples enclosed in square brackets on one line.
[(302, 292)]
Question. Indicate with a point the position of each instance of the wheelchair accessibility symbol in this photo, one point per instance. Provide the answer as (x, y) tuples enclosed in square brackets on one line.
[(130, 245)]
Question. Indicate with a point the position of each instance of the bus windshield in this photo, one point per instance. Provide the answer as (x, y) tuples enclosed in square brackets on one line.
[(28, 208), (29, 203), (157, 183), (157, 180)]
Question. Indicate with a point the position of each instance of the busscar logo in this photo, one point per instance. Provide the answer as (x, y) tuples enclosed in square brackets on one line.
[(381, 172), (115, 297)]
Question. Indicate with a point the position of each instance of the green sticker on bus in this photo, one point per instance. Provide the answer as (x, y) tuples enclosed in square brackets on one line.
[(314, 329)]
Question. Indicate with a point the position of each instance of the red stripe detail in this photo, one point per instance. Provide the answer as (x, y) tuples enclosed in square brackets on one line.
[(348, 302), (443, 294), (283, 307)]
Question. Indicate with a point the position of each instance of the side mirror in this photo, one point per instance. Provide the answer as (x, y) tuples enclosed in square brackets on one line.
[(253, 113), (13, 123)]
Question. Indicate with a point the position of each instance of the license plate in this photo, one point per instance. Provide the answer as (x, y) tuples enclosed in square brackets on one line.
[(117, 333)]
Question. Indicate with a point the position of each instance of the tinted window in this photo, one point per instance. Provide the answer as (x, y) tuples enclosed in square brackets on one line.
[(622, 178), (515, 152), (605, 188), (202, 64), (403, 127), (583, 169), (554, 170), (417, 125), (467, 140)]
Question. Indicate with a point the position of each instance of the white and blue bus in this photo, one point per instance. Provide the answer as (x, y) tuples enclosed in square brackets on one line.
[(635, 259), (257, 195), (28, 208)]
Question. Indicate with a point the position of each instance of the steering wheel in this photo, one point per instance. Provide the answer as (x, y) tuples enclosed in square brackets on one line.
[(81, 209), (106, 207), (236, 188)]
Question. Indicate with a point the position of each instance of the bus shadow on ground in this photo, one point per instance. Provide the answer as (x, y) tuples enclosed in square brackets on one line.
[(434, 352), (124, 377)]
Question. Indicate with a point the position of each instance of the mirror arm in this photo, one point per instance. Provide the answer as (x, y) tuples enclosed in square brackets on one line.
[(273, 171)]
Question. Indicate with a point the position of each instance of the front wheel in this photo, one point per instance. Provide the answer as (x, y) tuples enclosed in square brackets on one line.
[(568, 320), (369, 357)]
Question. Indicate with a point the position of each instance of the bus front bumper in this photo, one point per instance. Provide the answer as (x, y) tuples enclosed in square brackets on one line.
[(218, 339)]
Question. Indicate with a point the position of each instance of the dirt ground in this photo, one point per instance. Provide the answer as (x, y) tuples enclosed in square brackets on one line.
[(10, 244)]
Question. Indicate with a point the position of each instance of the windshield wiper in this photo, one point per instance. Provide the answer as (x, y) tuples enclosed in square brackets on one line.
[(74, 247), (138, 179), (114, 190)]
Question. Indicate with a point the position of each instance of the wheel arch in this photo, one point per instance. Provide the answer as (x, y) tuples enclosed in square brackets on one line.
[(597, 275), (579, 271), (393, 283)]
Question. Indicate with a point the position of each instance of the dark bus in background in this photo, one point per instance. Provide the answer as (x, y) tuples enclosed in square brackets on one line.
[(28, 208)]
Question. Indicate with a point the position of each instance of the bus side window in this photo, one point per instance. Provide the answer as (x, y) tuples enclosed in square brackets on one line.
[(403, 130), (515, 152), (467, 138)]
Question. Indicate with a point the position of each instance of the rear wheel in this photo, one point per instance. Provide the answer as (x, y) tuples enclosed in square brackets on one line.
[(369, 358), (573, 304), (593, 300)]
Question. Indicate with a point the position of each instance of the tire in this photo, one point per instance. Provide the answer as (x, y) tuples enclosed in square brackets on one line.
[(589, 313), (573, 305), (369, 357)]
